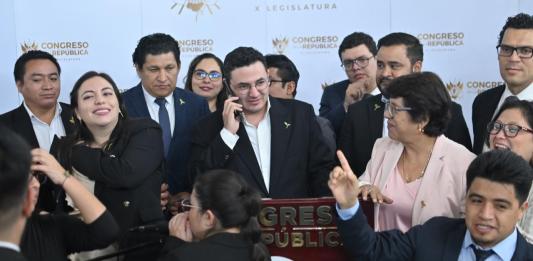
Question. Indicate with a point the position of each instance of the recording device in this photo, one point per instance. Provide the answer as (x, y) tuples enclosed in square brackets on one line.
[(229, 93), (161, 227)]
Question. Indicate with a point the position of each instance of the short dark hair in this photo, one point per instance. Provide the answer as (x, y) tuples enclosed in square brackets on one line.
[(426, 94), (287, 71), (415, 50), (20, 64), (15, 161), (502, 166), (519, 21), (524, 106), (241, 57), (155, 44), (235, 204), (356, 39), (221, 97)]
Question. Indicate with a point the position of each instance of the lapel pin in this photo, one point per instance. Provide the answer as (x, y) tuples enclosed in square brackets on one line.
[(423, 203), (182, 102), (376, 106), (287, 125), (71, 120)]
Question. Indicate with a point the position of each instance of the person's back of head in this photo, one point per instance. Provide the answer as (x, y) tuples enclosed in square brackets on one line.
[(15, 163), (234, 203)]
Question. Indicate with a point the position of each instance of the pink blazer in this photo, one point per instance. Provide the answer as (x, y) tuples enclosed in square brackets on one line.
[(443, 188)]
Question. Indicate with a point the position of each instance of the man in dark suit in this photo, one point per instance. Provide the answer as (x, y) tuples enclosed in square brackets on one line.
[(16, 200), (40, 118), (515, 59), (357, 54), (498, 184), (398, 54), (157, 61), (275, 144), (283, 76)]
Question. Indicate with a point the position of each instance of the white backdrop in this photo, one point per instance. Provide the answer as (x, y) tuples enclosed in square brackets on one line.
[(459, 36)]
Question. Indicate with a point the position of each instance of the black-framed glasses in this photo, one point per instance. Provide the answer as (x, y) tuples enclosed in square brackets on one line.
[(39, 176), (213, 75), (186, 205), (509, 130), (393, 110), (273, 81), (521, 51), (360, 61)]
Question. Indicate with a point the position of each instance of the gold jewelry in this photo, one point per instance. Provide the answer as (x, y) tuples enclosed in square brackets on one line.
[(67, 175), (421, 174)]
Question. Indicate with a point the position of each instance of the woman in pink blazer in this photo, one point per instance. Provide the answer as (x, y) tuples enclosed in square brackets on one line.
[(416, 173)]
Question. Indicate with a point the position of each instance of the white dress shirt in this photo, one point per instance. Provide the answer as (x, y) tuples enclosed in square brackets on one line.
[(9, 245), (260, 138), (43, 132), (153, 108)]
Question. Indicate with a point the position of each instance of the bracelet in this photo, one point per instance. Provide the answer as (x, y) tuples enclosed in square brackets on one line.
[(67, 175)]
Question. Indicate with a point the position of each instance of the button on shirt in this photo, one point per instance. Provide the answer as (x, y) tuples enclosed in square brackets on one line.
[(260, 138), (45, 133), (153, 108)]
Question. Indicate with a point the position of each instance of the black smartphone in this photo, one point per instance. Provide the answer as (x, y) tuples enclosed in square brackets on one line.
[(229, 93)]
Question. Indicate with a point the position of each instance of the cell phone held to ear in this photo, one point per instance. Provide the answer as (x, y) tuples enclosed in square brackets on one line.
[(229, 93)]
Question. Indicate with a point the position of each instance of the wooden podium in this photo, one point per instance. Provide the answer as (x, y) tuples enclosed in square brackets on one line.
[(304, 229)]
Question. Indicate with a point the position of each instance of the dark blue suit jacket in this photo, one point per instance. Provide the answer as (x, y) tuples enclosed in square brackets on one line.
[(483, 108), (188, 108), (332, 104), (440, 238)]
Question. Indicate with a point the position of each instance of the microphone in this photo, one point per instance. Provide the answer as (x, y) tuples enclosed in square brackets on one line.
[(161, 227)]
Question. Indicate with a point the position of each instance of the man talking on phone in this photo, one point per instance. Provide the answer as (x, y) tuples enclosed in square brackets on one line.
[(275, 144)]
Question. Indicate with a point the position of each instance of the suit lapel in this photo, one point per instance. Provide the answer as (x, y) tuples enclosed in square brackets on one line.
[(281, 132), (22, 124), (140, 109), (375, 119), (67, 119), (244, 150), (521, 250), (454, 241), (180, 114), (389, 162)]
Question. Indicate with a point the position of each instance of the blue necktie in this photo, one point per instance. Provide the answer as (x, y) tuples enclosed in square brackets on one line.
[(481, 255), (164, 122)]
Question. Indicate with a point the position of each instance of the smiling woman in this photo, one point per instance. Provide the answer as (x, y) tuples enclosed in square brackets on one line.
[(512, 130), (204, 78)]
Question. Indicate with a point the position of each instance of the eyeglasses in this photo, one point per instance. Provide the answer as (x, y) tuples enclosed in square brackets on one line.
[(521, 51), (273, 81), (260, 85), (360, 61), (510, 130), (186, 205), (39, 176), (213, 75), (393, 110)]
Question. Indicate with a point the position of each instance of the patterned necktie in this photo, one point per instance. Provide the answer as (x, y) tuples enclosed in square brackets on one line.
[(164, 122), (481, 255)]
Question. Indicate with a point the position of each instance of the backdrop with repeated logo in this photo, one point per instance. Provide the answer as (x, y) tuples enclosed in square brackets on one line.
[(459, 36)]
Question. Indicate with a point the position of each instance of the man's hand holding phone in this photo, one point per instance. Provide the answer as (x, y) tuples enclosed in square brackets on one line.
[(231, 109)]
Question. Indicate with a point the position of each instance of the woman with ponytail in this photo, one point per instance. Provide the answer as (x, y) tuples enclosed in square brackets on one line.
[(219, 222)]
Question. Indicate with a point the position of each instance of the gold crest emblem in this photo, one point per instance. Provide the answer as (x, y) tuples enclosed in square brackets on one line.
[(25, 47), (280, 44), (197, 6), (455, 89)]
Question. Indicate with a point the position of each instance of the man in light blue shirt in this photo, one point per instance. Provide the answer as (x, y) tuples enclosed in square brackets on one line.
[(498, 184)]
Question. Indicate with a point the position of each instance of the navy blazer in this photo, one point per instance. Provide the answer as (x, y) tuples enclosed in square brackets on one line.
[(363, 125), (300, 160), (440, 238), (188, 109), (483, 109), (18, 120), (332, 104)]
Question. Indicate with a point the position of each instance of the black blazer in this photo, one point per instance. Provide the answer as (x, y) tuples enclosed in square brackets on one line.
[(300, 160), (483, 109), (7, 254), (188, 109), (221, 246), (127, 176), (363, 125), (440, 238), (18, 120), (332, 104)]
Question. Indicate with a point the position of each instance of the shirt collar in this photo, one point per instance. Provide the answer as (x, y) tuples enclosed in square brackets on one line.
[(375, 91), (504, 249), (33, 116), (151, 99), (267, 114), (9, 245), (525, 94)]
